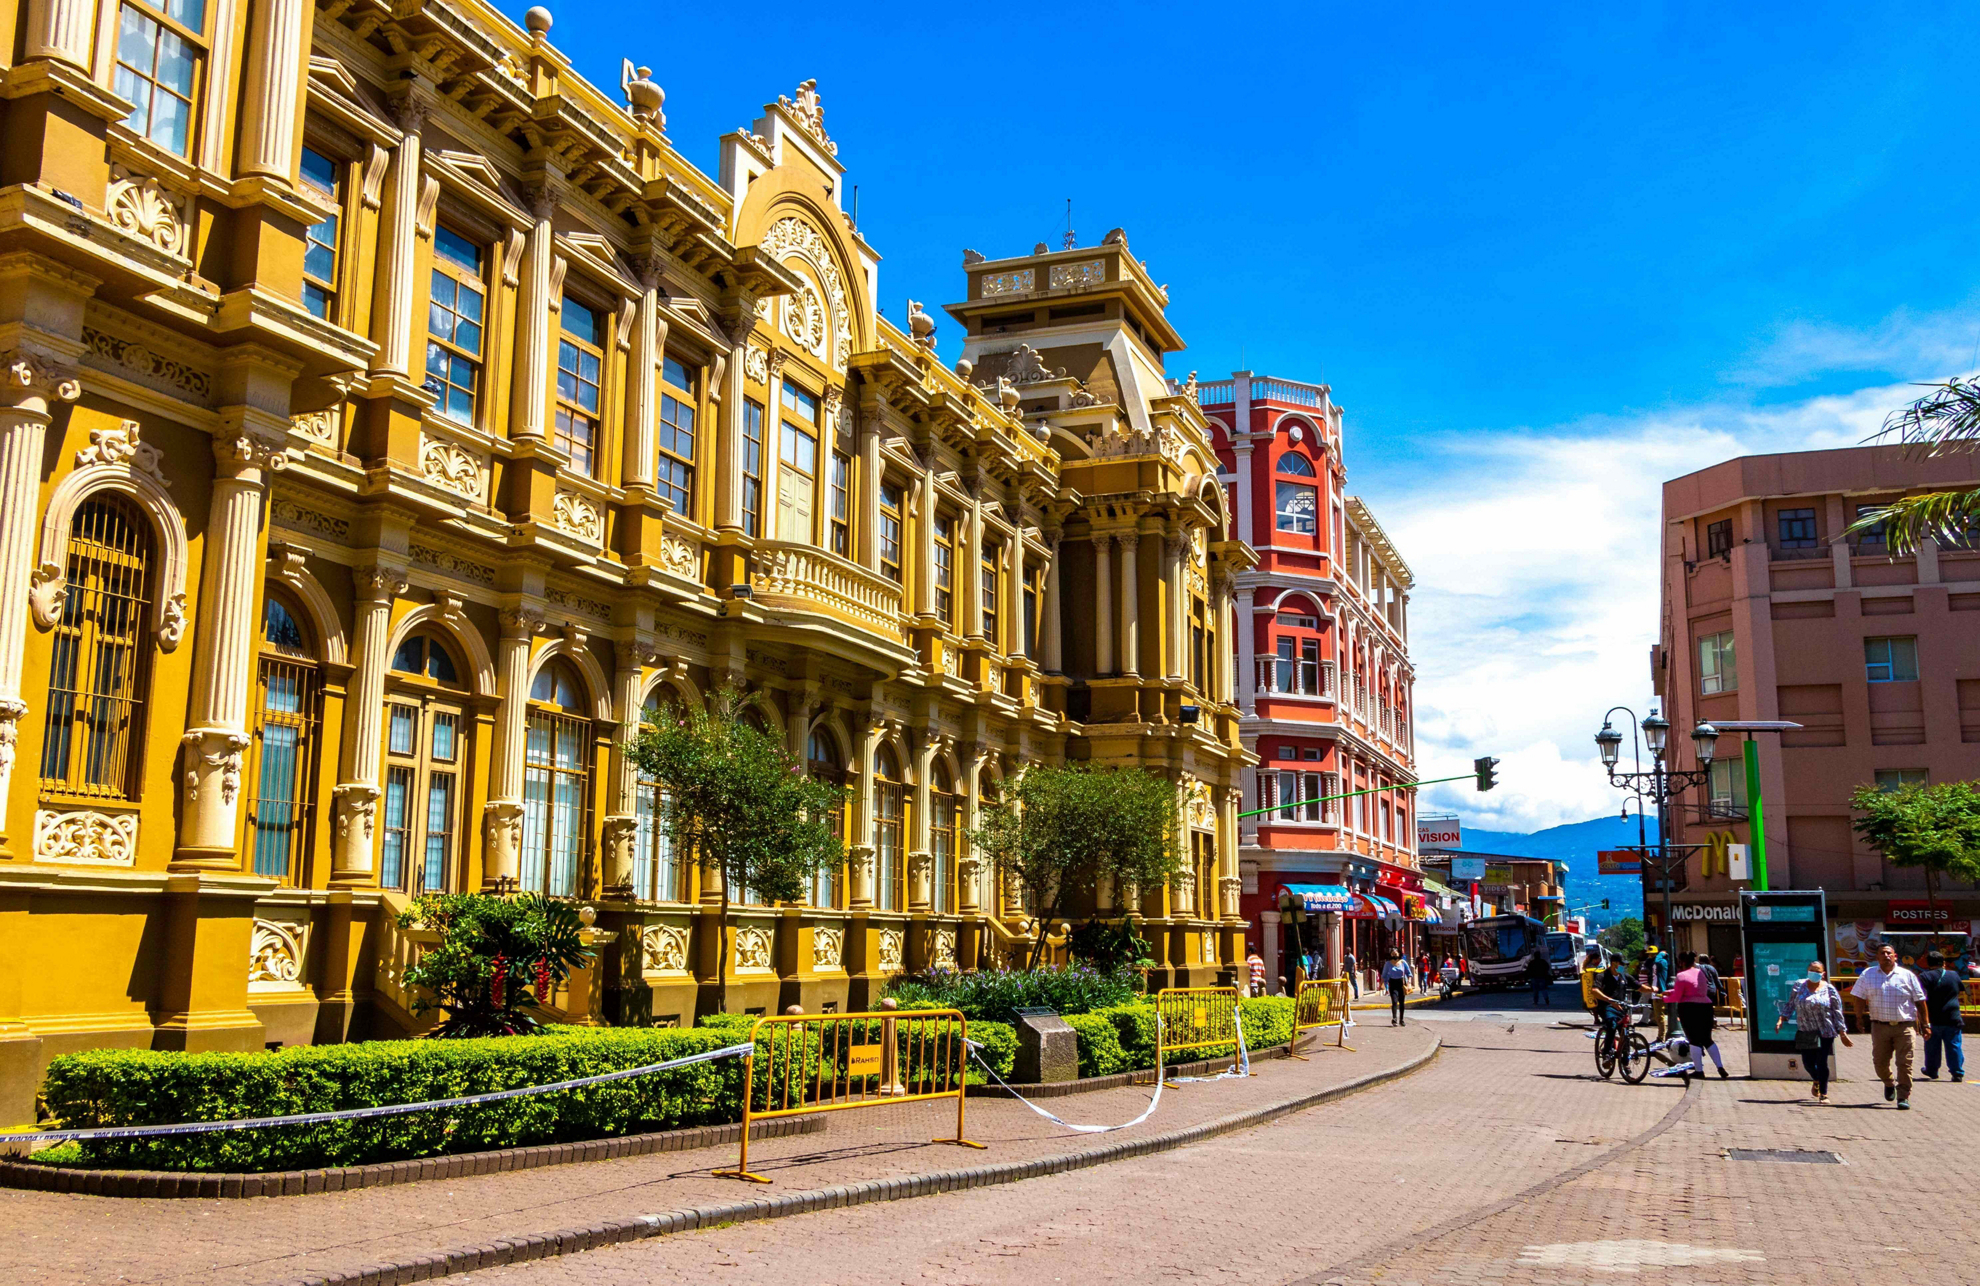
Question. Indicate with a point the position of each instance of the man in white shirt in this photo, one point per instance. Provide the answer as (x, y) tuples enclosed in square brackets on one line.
[(1892, 1000)]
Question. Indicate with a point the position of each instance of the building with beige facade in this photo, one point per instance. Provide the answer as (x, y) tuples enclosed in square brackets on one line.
[(1773, 610), (393, 421)]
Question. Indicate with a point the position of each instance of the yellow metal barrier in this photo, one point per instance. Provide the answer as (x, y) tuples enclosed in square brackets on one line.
[(1194, 1018), (805, 1063), (1320, 1002)]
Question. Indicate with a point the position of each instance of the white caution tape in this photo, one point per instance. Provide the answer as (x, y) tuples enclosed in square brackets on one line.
[(1243, 1067), (361, 1113), (1147, 1112)]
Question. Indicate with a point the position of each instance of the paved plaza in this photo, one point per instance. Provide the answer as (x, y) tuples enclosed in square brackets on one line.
[(1500, 1160)]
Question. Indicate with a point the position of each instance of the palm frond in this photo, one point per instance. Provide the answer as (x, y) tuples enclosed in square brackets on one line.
[(1944, 421), (1951, 518)]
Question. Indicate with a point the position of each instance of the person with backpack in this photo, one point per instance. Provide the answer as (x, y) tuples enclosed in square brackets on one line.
[(1942, 996), (1713, 983)]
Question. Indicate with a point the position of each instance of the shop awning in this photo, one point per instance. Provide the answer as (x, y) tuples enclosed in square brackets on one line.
[(1372, 906), (1323, 897), (1431, 886)]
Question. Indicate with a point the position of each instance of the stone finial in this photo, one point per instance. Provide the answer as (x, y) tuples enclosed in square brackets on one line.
[(1041, 249), (964, 367), (920, 324), (643, 96), (538, 21), (971, 258)]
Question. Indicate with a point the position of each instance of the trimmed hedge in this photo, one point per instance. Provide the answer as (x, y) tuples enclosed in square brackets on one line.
[(999, 1040), (1122, 1038), (110, 1087)]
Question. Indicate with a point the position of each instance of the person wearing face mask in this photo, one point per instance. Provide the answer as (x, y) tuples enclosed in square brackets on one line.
[(1817, 1010)]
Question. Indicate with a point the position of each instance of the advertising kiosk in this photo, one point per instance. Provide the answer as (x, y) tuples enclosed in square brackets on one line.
[(1780, 933)]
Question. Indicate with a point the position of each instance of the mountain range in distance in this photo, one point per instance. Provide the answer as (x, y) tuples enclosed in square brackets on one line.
[(1576, 843)]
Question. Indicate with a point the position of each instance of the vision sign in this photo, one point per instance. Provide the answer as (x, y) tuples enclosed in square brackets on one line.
[(1438, 832)]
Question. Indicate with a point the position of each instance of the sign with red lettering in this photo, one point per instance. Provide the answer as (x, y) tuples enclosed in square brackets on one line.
[(1618, 861)]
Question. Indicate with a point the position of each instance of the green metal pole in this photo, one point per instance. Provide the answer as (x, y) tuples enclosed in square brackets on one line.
[(1756, 817), (1283, 805)]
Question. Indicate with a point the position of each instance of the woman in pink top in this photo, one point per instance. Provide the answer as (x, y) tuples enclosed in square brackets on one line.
[(1691, 999)]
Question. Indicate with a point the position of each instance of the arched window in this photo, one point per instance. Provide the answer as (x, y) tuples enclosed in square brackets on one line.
[(1296, 666), (288, 689), (557, 743), (1297, 503), (944, 832), (426, 764), (889, 832), (657, 876), (100, 671), (822, 762)]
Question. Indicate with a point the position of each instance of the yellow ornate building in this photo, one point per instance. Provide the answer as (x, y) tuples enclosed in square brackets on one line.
[(393, 420)]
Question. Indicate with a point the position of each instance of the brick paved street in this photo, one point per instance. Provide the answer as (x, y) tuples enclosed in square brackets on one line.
[(1504, 1160)]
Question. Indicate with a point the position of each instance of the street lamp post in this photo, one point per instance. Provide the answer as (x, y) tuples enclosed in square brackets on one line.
[(1660, 784)]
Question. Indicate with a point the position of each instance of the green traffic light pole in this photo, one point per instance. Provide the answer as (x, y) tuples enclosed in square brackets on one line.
[(1482, 773)]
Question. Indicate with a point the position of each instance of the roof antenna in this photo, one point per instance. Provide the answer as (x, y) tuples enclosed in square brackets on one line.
[(1070, 240), (855, 205)]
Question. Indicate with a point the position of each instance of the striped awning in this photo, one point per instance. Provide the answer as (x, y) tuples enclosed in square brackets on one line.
[(1373, 906), (1323, 897)]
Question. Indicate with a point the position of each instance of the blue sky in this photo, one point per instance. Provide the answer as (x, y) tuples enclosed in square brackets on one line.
[(1548, 255)]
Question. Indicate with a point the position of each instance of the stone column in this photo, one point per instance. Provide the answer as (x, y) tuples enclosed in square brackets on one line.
[(1241, 450), (1230, 881), (860, 857), (1244, 625), (502, 855), (920, 848), (1219, 677), (398, 252), (970, 864), (649, 342), (729, 421), (1050, 653), (1175, 659), (924, 575), (216, 737), (622, 818), (275, 64), (31, 387), (866, 538), (373, 590), (969, 577), (529, 407), (1014, 615), (1103, 611), (1130, 606), (62, 30)]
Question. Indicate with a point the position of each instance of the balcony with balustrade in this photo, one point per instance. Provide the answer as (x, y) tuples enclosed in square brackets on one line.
[(811, 588)]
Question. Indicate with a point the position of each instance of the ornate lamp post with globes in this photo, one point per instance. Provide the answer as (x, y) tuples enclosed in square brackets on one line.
[(1659, 784)]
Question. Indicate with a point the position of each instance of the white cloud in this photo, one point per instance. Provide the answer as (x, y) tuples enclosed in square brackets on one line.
[(1903, 341), (1536, 594)]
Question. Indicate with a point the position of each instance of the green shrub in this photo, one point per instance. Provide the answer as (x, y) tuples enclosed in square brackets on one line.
[(111, 1087), (1100, 1052), (1121, 1038), (997, 994)]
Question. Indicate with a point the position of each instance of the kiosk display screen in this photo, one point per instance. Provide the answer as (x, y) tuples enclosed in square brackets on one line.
[(1777, 966)]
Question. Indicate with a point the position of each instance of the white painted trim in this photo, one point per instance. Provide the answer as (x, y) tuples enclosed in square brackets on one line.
[(169, 586)]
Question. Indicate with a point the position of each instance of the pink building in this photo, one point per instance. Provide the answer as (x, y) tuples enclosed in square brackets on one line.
[(1324, 679), (1771, 612)]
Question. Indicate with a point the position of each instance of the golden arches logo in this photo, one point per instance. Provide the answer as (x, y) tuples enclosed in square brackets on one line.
[(1717, 856)]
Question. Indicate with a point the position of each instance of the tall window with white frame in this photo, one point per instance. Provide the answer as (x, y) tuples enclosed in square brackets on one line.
[(1296, 498), (840, 509), (890, 531), (992, 559), (100, 659), (325, 178), (752, 468), (454, 326), (161, 51), (1718, 670), (797, 459), (657, 875), (289, 687), (944, 832), (426, 752), (580, 362), (945, 569), (823, 763), (1294, 667), (557, 747), (674, 469), (889, 832)]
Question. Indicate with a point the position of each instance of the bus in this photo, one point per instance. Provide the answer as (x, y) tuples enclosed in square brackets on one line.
[(1565, 952), (1500, 948)]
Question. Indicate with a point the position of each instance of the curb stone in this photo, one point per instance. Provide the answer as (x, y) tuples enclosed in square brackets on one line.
[(549, 1244)]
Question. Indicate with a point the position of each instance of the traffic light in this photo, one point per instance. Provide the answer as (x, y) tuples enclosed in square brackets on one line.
[(1487, 769), (1605, 904)]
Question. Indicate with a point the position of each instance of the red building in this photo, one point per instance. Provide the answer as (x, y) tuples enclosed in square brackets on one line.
[(1324, 680)]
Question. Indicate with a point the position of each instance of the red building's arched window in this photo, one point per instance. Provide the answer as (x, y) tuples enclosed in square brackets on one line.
[(1295, 666), (1296, 494)]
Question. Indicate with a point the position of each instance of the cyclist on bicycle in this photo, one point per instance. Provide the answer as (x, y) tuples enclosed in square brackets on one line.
[(1608, 993)]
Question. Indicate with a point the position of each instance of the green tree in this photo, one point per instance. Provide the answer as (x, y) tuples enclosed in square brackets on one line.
[(1060, 828), (739, 803), (1946, 421), (1624, 938), (1935, 828), (498, 959)]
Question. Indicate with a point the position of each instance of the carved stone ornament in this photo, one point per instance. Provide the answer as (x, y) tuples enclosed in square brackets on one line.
[(211, 754), (85, 838), (357, 810), (577, 515), (828, 948), (319, 425), (1091, 273), (242, 450), (752, 949), (31, 371), (892, 950), (10, 718), (1209, 941), (942, 952), (756, 364), (792, 237), (276, 954), (1021, 282), (451, 467), (1232, 887), (809, 109), (920, 324), (804, 319), (680, 557), (172, 623), (663, 948), (503, 828), (120, 445), (138, 205), (48, 589), (643, 98)]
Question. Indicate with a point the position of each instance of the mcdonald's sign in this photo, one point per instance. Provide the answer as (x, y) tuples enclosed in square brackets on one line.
[(1723, 857)]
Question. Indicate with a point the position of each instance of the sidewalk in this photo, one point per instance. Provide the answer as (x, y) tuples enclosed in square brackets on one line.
[(65, 1238)]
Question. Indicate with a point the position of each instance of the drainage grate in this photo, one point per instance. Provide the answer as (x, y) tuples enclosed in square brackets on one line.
[(1784, 1154)]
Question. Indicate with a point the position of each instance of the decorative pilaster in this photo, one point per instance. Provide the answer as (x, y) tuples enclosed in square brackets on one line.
[(649, 341), (920, 847), (1103, 609), (867, 536), (274, 66), (373, 589), (1174, 549), (398, 235), (622, 815), (1245, 623), (969, 579), (223, 653), (31, 386), (502, 856), (62, 30), (1130, 606), (1012, 644), (530, 403), (1048, 642), (860, 857)]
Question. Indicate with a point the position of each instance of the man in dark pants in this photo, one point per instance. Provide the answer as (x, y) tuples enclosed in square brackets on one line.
[(1942, 993), (1541, 974)]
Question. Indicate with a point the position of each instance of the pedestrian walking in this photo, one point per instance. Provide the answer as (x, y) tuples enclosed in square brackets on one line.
[(1713, 984), (1892, 1001), (1816, 1007), (1257, 966), (1396, 974), (1353, 972), (1540, 975), (1653, 978), (1691, 1000), (1423, 971), (1942, 992)]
